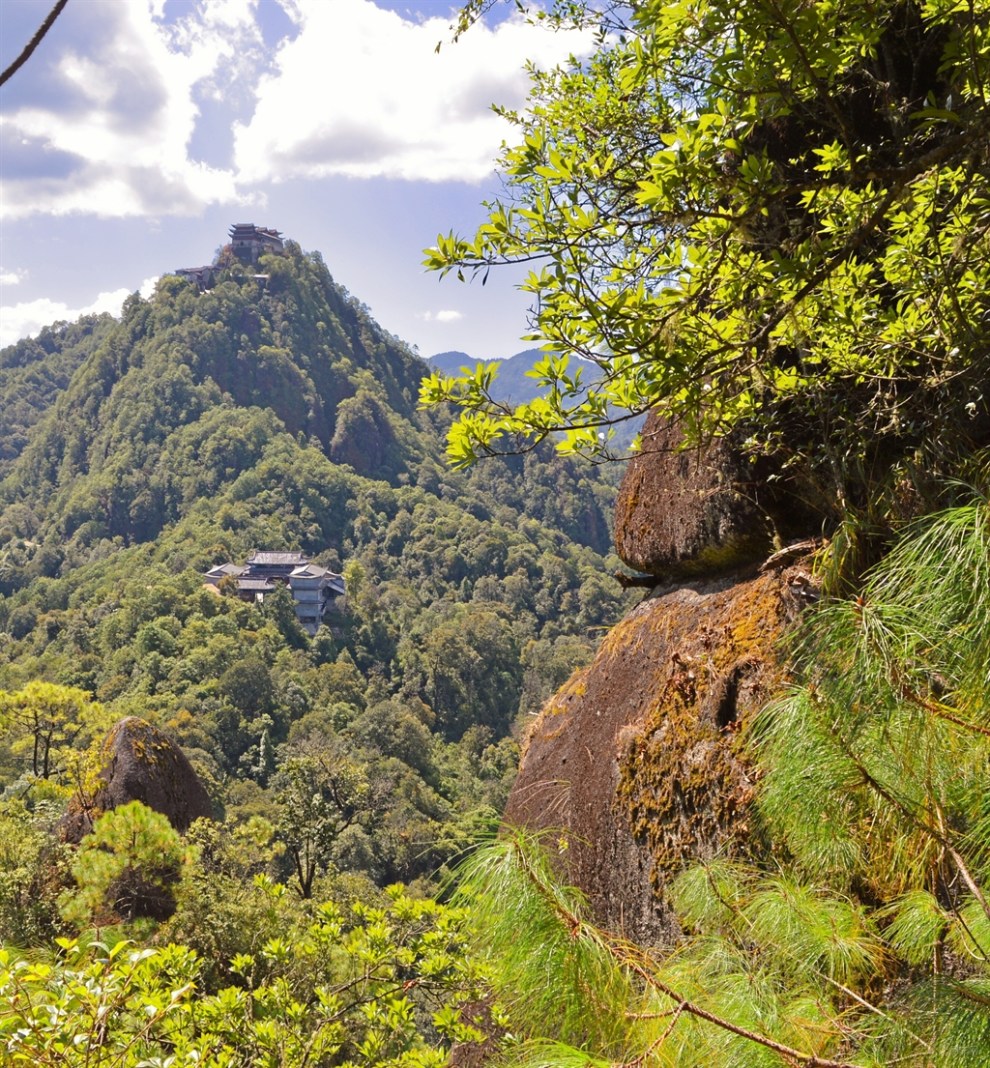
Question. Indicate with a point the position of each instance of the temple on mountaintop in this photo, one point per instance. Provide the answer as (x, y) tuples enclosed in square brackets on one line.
[(249, 241)]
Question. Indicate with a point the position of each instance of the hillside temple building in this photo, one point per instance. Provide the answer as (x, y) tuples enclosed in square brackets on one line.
[(317, 592)]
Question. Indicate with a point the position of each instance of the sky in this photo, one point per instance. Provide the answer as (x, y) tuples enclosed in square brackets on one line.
[(140, 130)]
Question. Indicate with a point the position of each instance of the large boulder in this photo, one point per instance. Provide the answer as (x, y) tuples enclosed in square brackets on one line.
[(634, 766), (139, 763), (706, 509)]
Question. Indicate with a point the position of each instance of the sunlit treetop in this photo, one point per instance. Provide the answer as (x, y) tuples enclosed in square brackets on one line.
[(769, 218)]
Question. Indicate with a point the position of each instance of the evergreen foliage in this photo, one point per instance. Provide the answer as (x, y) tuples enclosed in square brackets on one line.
[(277, 414), (52, 727), (892, 721), (376, 986), (126, 867), (768, 219)]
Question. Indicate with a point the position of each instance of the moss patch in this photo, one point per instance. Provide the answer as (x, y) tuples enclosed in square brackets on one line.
[(684, 785)]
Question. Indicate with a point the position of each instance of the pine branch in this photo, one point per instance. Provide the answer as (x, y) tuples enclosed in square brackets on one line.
[(629, 958), (935, 708), (638, 1062), (968, 879), (738, 916), (809, 1059), (923, 825)]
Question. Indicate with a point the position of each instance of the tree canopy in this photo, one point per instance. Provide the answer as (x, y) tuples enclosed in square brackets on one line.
[(768, 218), (136, 454)]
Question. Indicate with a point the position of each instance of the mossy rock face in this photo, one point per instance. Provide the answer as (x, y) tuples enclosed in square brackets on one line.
[(141, 764), (686, 513), (635, 765), (365, 438)]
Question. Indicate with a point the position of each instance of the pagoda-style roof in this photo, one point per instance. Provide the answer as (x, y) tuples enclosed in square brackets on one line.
[(310, 571), (268, 559), (249, 230), (314, 571)]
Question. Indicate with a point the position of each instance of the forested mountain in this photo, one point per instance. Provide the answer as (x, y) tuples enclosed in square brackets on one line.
[(273, 413), (34, 371), (754, 830), (512, 383)]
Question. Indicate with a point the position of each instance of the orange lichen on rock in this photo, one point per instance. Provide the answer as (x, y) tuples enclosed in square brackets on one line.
[(636, 760)]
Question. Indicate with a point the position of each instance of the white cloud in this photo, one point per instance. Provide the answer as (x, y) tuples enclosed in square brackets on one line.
[(362, 92), (102, 125), (446, 315), (109, 119), (11, 278), (27, 318)]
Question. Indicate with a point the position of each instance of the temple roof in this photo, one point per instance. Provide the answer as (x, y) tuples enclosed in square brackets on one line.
[(263, 585), (267, 559), (221, 570)]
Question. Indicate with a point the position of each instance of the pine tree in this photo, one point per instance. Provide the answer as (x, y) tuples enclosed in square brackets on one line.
[(127, 867)]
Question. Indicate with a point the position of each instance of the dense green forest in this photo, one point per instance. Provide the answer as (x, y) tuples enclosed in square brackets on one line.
[(276, 415)]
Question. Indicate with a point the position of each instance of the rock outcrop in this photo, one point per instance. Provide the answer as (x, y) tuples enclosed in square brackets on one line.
[(703, 510), (139, 763), (636, 760), (636, 764)]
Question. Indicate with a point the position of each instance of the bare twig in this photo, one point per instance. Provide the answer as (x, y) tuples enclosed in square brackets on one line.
[(34, 42)]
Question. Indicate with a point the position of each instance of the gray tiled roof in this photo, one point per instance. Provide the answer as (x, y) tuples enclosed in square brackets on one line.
[(277, 559), (263, 584), (226, 569), (309, 571)]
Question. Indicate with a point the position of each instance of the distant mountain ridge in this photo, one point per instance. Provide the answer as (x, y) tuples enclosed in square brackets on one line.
[(512, 384)]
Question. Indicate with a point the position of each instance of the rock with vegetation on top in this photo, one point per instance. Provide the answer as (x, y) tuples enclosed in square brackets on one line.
[(141, 764)]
